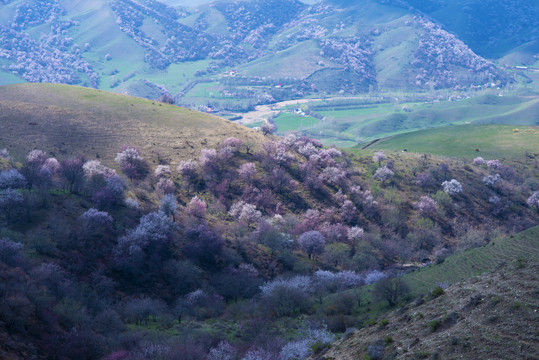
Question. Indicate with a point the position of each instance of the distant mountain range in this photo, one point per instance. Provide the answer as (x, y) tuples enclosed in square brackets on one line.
[(262, 51)]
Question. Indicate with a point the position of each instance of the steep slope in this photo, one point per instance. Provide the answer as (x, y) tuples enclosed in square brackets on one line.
[(492, 28), (87, 262), (64, 119), (384, 45), (490, 316)]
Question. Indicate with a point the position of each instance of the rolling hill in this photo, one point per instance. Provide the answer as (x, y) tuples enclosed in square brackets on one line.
[(474, 262), (492, 28), (346, 121), (491, 141), (63, 119)]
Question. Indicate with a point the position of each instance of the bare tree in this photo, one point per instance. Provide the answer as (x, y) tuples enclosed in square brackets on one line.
[(391, 290)]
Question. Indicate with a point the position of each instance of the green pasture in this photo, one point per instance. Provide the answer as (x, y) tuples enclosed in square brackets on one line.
[(292, 122), (492, 141), (206, 90)]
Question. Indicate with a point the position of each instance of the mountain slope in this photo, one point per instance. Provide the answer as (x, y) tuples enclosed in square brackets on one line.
[(492, 28), (491, 316), (117, 44), (89, 262), (66, 119), (487, 316)]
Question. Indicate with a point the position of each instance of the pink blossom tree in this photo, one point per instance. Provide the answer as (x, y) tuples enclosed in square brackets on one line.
[(479, 161), (267, 128), (384, 173), (73, 173), (197, 207), (452, 187), (131, 163), (533, 200), (188, 171), (31, 170), (494, 164), (378, 157), (245, 212), (426, 206), (165, 186), (162, 171), (247, 172), (334, 176), (233, 143)]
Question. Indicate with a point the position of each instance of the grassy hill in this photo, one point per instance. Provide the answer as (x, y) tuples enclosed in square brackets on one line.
[(491, 316), (523, 54), (63, 119), (492, 141)]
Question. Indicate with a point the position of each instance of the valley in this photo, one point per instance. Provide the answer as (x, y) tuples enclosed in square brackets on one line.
[(269, 179), (324, 50), (194, 236), (345, 122)]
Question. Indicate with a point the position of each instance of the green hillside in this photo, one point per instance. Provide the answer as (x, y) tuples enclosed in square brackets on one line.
[(522, 55), (474, 262), (516, 249), (298, 62), (135, 270), (492, 141), (232, 56), (492, 28), (126, 44)]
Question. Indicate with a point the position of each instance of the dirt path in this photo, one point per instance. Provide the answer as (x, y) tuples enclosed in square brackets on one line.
[(264, 111)]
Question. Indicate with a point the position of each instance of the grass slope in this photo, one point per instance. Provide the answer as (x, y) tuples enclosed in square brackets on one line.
[(460, 266), (298, 61), (289, 122), (394, 45), (98, 27), (493, 141), (62, 119), (474, 262)]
